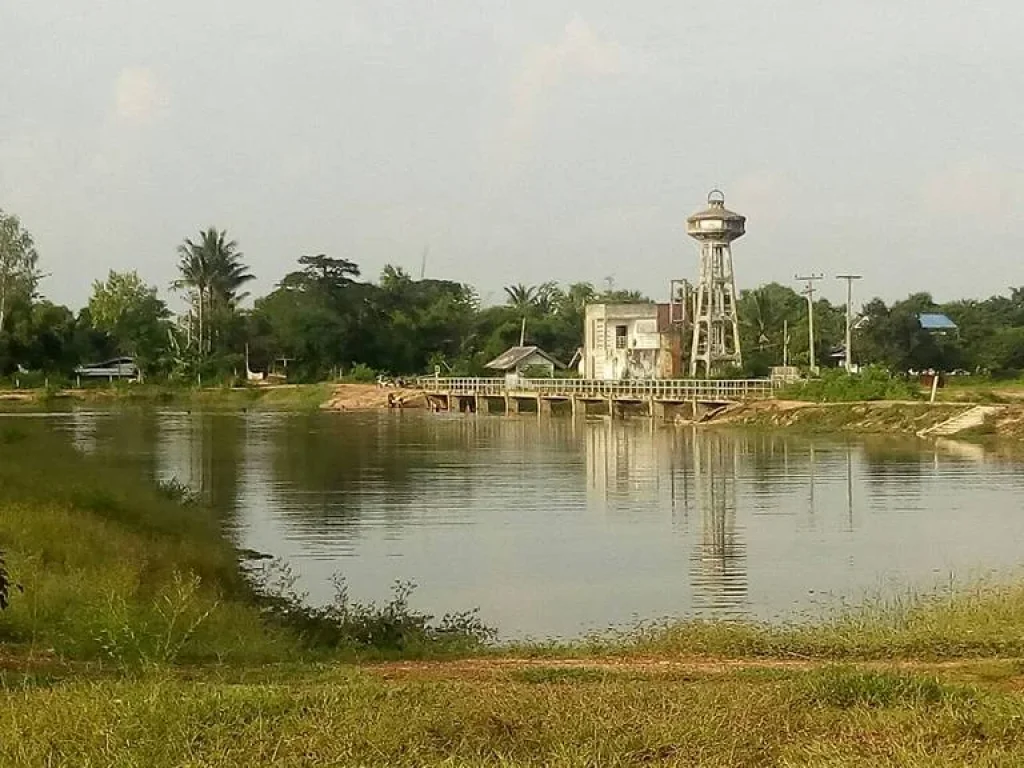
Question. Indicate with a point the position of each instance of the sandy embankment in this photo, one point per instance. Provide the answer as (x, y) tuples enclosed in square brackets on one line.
[(370, 397), (869, 417)]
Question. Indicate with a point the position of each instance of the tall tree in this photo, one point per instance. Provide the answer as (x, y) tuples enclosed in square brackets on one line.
[(18, 259), (323, 273), (212, 270), (521, 297), (132, 314)]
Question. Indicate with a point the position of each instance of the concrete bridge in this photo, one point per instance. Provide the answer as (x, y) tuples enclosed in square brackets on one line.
[(657, 398)]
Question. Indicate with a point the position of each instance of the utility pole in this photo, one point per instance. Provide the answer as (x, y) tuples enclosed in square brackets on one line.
[(809, 293), (785, 343), (423, 261), (849, 317)]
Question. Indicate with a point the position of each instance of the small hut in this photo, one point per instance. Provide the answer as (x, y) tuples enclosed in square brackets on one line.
[(519, 362)]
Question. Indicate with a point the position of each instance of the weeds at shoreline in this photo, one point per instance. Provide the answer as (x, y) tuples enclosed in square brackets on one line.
[(393, 627)]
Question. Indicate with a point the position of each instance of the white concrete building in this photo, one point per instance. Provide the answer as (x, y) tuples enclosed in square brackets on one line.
[(629, 341)]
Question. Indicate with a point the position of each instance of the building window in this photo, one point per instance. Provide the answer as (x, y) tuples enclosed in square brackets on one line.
[(620, 337)]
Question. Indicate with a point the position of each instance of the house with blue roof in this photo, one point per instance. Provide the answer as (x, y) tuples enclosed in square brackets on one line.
[(937, 323)]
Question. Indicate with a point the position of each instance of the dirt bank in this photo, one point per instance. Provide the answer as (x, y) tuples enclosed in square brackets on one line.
[(369, 397), (869, 417)]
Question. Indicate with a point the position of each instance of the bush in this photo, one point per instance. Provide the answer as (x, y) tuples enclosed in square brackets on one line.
[(5, 584), (344, 623), (178, 492), (838, 386), (362, 373)]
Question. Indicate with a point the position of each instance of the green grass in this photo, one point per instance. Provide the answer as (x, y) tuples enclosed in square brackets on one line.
[(114, 570), (286, 397), (831, 716), (837, 386), (983, 620)]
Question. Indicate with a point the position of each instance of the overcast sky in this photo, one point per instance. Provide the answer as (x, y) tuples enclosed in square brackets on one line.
[(520, 141)]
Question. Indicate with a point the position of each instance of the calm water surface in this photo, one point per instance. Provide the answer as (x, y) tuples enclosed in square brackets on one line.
[(554, 528)]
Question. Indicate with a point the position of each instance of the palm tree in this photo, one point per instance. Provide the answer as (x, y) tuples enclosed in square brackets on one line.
[(547, 297), (212, 269), (520, 296)]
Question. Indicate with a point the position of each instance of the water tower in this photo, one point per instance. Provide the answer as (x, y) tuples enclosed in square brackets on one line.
[(716, 330)]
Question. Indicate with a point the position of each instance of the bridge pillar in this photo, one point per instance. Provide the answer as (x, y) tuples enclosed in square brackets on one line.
[(579, 408), (611, 408), (511, 405), (656, 409), (543, 406)]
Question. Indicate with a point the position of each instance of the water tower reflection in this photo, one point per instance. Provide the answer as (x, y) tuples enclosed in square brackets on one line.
[(690, 477), (719, 572)]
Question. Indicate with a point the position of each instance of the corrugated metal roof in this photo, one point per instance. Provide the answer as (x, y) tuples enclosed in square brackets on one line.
[(511, 357), (932, 321)]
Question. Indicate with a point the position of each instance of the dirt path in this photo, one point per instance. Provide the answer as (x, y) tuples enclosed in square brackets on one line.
[(1008, 673)]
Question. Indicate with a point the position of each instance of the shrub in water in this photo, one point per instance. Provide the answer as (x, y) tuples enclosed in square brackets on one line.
[(175, 490)]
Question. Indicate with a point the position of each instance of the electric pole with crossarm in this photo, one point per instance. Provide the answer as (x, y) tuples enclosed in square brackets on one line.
[(809, 293)]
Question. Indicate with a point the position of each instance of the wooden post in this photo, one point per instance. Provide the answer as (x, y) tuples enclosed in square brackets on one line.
[(935, 387)]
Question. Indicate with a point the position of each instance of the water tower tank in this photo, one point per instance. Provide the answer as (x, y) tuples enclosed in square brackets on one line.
[(716, 222)]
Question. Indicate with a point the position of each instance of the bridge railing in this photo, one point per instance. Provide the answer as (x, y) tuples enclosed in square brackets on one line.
[(642, 389)]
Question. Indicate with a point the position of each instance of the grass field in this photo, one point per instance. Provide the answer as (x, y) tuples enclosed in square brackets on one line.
[(278, 397), (518, 714), (138, 641)]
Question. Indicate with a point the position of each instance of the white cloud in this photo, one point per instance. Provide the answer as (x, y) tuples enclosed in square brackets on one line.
[(580, 52), (139, 95)]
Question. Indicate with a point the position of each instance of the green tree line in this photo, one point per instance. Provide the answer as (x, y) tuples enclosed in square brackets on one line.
[(324, 319)]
